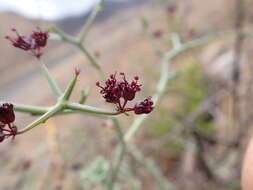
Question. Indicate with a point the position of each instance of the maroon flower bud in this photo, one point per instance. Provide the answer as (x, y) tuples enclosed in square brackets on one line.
[(144, 107), (21, 42), (33, 43), (112, 91), (77, 71), (40, 37), (129, 89), (7, 115), (157, 34), (97, 54), (171, 9)]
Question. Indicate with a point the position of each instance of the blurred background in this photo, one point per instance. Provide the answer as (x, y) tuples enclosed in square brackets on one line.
[(196, 136)]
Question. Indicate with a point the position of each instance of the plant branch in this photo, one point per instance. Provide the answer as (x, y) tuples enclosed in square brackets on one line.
[(57, 91), (89, 109), (120, 156), (34, 110), (83, 96), (66, 95), (52, 111), (86, 27), (164, 78), (91, 58)]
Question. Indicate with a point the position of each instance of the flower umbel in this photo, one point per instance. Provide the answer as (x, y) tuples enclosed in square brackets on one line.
[(120, 92), (7, 117), (32, 43)]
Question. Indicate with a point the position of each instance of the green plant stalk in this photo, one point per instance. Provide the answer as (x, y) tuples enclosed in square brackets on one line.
[(68, 108), (165, 75), (34, 110), (83, 96), (91, 19), (52, 111), (120, 156), (78, 44), (88, 109), (67, 93), (61, 108), (50, 79), (164, 78), (92, 59), (64, 37)]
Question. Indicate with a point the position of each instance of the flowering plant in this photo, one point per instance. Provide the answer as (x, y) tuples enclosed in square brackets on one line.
[(116, 91)]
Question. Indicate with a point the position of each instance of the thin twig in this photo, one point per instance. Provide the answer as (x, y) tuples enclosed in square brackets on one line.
[(120, 156), (57, 91), (91, 19), (164, 78)]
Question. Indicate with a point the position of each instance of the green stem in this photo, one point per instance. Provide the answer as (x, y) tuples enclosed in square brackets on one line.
[(34, 110), (91, 58), (77, 43), (90, 21), (52, 111), (50, 79), (64, 37), (119, 158), (66, 95), (89, 109), (84, 95), (164, 78)]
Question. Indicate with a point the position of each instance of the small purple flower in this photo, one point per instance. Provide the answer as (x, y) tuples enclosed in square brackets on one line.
[(40, 38), (129, 89), (33, 43), (21, 42), (144, 107), (112, 91), (7, 115), (120, 92)]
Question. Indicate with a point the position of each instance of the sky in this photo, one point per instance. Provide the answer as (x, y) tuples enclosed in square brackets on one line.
[(48, 9)]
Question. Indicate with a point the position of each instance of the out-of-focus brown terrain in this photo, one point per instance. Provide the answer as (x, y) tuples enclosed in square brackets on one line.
[(52, 155)]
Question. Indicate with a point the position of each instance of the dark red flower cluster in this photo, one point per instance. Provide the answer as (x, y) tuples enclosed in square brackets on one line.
[(33, 43), (120, 92), (7, 117)]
